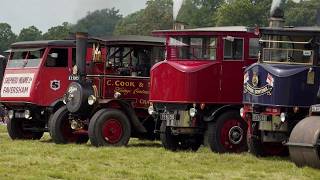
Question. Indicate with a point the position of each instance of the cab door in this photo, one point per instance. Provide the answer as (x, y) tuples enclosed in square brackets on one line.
[(54, 75), (232, 70)]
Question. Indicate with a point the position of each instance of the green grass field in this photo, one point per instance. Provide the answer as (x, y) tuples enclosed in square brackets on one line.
[(140, 160)]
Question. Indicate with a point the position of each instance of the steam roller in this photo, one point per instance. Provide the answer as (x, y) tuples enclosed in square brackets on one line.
[(304, 142)]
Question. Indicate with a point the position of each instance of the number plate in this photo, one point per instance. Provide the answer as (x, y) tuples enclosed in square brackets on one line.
[(259, 117), (73, 78), (167, 117)]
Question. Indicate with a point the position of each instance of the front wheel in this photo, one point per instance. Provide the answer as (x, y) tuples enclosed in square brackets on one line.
[(16, 131), (228, 133), (109, 127), (61, 131), (168, 140), (263, 149), (178, 142)]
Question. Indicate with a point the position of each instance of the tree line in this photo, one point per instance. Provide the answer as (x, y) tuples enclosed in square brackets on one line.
[(158, 15)]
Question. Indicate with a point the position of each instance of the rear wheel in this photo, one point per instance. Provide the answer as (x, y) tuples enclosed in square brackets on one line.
[(228, 133), (16, 131), (109, 127), (61, 131), (178, 142)]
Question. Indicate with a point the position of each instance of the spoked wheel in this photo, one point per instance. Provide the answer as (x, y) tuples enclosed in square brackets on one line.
[(228, 133), (109, 127), (304, 142), (16, 131), (178, 142), (263, 149), (61, 131)]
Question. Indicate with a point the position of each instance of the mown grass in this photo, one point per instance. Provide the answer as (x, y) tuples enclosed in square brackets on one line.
[(140, 160)]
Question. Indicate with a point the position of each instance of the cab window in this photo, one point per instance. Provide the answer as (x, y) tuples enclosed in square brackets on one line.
[(253, 47), (130, 61), (57, 57), (193, 48), (22, 58), (233, 48)]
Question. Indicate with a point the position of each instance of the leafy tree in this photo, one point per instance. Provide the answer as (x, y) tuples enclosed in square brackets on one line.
[(199, 13), (301, 14), (30, 34), (130, 24), (58, 32), (6, 37), (157, 15), (243, 12), (99, 23)]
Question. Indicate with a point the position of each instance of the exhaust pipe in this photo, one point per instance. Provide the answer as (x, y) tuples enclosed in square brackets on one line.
[(277, 18), (81, 52)]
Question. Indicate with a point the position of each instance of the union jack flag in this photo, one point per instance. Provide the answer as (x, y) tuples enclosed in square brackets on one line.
[(245, 77), (270, 80)]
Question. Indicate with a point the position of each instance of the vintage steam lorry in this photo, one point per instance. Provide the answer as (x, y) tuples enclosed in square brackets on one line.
[(35, 79), (196, 92), (108, 100), (280, 88)]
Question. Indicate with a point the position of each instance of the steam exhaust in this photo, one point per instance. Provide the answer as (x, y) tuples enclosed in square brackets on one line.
[(276, 14)]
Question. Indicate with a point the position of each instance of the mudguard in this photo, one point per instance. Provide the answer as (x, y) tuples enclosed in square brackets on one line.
[(137, 125)]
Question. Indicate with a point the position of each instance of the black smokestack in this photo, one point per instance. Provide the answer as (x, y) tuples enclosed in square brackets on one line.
[(81, 51)]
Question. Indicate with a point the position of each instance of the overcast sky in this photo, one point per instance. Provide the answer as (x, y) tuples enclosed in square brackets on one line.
[(47, 13)]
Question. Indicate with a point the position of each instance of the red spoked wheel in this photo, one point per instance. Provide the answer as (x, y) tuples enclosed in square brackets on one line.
[(228, 133), (112, 131), (109, 127), (61, 131)]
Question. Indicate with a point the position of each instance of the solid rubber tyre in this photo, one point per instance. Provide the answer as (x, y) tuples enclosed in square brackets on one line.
[(168, 140), (259, 149), (109, 127), (219, 133), (16, 132), (60, 129)]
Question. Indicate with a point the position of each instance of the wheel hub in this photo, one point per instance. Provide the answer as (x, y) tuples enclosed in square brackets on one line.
[(236, 135), (112, 131)]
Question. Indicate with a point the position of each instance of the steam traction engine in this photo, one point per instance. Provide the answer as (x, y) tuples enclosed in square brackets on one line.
[(34, 81), (279, 89), (108, 100), (197, 91)]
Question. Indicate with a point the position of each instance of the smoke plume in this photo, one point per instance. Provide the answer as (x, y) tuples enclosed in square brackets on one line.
[(176, 8), (275, 4)]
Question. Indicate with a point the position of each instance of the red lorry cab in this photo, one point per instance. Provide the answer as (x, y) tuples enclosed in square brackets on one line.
[(108, 100), (34, 81), (197, 90)]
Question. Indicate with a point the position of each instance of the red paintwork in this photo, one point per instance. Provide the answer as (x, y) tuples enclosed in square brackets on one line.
[(179, 81), (131, 88), (41, 82), (200, 81), (112, 131)]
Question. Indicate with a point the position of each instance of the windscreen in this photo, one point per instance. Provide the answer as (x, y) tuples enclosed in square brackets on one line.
[(133, 60), (24, 58), (287, 49), (192, 48)]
